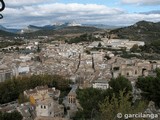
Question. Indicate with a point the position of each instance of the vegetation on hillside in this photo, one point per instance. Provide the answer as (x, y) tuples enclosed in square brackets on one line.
[(4, 44), (143, 31), (83, 38), (6, 34), (62, 31), (150, 51)]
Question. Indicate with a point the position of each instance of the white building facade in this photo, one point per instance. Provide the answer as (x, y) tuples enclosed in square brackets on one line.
[(101, 84)]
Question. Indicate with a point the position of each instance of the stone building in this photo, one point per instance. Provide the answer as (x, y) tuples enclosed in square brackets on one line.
[(5, 73), (49, 108), (131, 68), (41, 93), (72, 95), (101, 84)]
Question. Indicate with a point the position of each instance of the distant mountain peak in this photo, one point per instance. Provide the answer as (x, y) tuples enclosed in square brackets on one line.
[(57, 24)]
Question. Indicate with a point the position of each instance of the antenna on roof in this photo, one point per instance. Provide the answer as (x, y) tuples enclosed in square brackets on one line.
[(2, 8)]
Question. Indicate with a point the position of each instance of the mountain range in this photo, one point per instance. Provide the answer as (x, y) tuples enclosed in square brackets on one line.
[(141, 31), (10, 30), (56, 26)]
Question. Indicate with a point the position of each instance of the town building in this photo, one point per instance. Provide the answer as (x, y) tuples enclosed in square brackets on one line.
[(130, 68), (49, 108), (100, 84), (41, 93), (5, 73), (72, 95)]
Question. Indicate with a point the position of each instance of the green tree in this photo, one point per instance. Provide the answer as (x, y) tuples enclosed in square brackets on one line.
[(11, 116), (22, 98), (89, 99), (99, 45), (150, 88), (11, 89), (17, 48), (120, 84), (158, 72), (83, 38), (109, 108), (134, 48)]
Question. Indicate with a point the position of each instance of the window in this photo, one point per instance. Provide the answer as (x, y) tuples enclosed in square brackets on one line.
[(136, 72), (116, 68), (44, 107)]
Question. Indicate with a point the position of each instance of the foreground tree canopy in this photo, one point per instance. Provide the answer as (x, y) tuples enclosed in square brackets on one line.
[(110, 108), (11, 116), (120, 84), (150, 87), (11, 89), (105, 104)]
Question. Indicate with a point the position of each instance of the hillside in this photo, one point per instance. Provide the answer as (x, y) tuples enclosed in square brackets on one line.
[(10, 30), (77, 29), (102, 26), (6, 34), (63, 31), (143, 31)]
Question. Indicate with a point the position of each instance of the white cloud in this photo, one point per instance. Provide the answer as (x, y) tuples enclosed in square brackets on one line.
[(142, 2), (25, 2), (127, 19), (59, 8), (55, 12), (43, 14)]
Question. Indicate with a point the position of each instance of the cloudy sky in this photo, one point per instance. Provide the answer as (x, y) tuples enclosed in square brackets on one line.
[(21, 13)]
